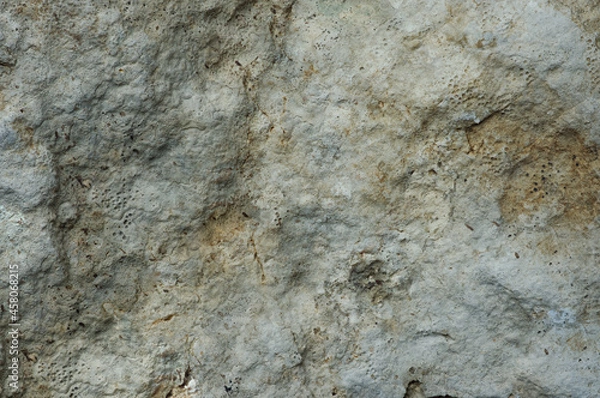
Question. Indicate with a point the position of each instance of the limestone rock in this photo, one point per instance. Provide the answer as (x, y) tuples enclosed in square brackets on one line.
[(302, 198)]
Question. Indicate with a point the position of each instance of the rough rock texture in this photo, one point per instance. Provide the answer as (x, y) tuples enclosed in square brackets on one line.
[(302, 198)]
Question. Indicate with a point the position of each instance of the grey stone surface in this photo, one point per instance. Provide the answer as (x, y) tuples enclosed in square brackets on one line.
[(302, 198)]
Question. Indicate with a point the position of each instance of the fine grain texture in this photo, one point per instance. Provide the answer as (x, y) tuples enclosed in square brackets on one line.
[(302, 198)]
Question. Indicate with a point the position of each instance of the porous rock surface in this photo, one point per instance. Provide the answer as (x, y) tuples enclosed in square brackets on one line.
[(302, 198)]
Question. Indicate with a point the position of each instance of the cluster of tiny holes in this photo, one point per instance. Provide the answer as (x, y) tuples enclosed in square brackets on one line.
[(591, 58), (117, 202), (63, 296), (60, 372), (468, 95), (73, 391)]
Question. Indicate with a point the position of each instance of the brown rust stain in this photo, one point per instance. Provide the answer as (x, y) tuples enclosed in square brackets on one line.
[(310, 71), (558, 177), (578, 342), (35, 9), (584, 13), (164, 386), (224, 227), (549, 244), (546, 174), (229, 227), (590, 302), (26, 133), (163, 319)]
